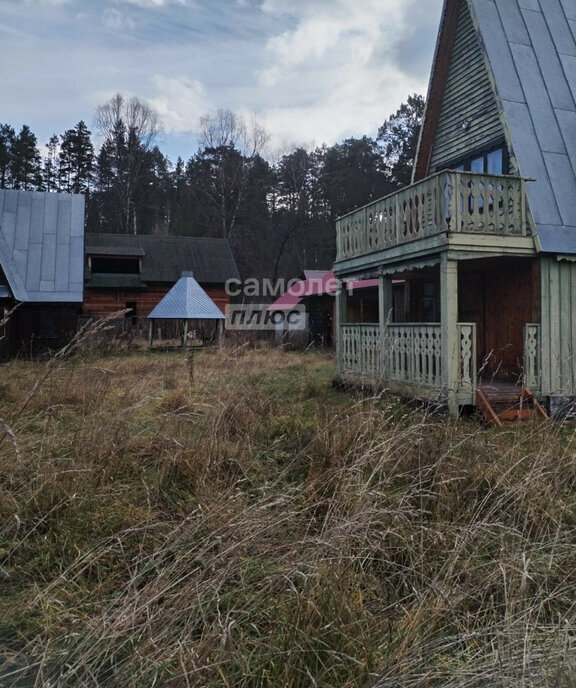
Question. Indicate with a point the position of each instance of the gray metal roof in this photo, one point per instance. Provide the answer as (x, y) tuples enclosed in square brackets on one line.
[(187, 301), (164, 258), (531, 48), (42, 245)]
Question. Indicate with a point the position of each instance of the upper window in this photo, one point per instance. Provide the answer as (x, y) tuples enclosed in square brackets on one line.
[(118, 265), (492, 161)]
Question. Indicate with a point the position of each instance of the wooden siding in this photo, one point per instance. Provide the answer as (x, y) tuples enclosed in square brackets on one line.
[(102, 302), (468, 98), (558, 293), (36, 329), (500, 296)]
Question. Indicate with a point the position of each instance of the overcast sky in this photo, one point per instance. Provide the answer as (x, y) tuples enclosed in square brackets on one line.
[(311, 71)]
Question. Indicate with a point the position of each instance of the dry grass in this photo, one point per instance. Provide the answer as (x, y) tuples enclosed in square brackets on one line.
[(256, 528)]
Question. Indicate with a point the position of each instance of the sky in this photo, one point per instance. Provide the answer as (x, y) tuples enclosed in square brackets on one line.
[(309, 71)]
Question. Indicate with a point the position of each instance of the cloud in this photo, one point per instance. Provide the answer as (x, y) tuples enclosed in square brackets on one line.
[(338, 68), (47, 2), (153, 3), (117, 21), (180, 102)]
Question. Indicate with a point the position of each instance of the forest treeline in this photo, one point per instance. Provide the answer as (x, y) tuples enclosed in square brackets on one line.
[(278, 213)]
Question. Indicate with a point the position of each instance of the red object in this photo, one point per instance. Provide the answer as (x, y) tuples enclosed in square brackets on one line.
[(323, 283)]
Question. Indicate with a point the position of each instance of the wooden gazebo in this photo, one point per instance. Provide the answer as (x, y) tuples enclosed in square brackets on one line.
[(185, 302)]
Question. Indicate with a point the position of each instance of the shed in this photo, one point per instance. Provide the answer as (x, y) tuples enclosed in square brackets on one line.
[(41, 268), (184, 303)]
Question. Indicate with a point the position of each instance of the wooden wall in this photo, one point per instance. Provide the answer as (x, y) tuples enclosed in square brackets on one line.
[(558, 326), (37, 329), (500, 296), (468, 98), (102, 302)]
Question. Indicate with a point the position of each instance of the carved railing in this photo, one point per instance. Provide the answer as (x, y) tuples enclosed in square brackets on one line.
[(467, 372), (448, 201), (408, 353), (362, 350), (532, 356), (412, 354)]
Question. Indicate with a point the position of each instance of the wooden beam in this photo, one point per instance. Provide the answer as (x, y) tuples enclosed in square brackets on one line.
[(449, 329)]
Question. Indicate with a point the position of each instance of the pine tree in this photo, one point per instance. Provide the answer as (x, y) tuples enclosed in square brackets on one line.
[(76, 160), (7, 136), (26, 162), (50, 166)]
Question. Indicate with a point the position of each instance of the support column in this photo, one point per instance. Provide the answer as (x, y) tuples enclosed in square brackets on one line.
[(384, 317), (220, 336), (341, 316), (150, 333), (449, 328)]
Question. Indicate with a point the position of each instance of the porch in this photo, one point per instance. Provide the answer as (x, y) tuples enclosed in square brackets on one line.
[(462, 245), (407, 358)]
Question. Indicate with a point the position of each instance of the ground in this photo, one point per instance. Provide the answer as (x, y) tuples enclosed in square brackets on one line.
[(235, 520)]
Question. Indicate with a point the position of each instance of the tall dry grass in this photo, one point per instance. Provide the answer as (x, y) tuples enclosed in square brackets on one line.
[(254, 527)]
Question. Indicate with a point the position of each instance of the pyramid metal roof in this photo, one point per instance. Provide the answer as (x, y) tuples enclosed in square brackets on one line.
[(187, 301)]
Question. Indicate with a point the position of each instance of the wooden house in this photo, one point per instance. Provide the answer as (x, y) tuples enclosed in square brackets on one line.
[(41, 270), (484, 239), (134, 272)]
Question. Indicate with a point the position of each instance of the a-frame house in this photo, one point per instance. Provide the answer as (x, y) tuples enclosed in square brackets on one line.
[(482, 245)]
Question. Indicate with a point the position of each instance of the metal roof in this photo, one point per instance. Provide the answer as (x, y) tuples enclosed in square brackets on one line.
[(531, 49), (187, 301), (164, 258), (321, 283), (42, 245)]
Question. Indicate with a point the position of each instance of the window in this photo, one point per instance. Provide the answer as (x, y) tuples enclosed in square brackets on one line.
[(492, 161), (114, 265)]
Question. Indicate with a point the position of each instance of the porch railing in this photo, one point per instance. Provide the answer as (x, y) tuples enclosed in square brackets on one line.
[(447, 201), (362, 350), (409, 353), (532, 343), (412, 354)]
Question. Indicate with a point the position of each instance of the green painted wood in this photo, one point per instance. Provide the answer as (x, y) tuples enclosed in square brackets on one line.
[(445, 204), (340, 320), (558, 326), (469, 116), (449, 319)]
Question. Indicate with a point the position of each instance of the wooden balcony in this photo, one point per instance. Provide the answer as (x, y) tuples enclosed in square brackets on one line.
[(447, 202)]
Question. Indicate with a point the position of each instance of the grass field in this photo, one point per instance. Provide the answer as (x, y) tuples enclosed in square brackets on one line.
[(244, 524)]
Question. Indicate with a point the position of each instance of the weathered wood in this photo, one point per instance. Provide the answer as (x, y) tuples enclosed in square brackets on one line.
[(449, 319), (452, 202), (532, 349)]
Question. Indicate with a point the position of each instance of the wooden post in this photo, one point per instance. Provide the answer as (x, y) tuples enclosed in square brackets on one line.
[(150, 333), (384, 316), (220, 335), (185, 334), (340, 318), (449, 329)]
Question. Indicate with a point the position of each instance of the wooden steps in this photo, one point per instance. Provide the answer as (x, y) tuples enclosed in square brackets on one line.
[(499, 403)]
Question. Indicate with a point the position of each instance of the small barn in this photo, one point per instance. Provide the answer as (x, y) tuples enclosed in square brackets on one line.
[(316, 293), (185, 317), (41, 269), (134, 272)]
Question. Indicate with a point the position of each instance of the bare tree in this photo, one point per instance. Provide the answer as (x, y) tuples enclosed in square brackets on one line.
[(128, 128), (231, 147)]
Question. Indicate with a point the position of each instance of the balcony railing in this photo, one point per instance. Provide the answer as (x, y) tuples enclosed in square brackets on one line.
[(448, 201)]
